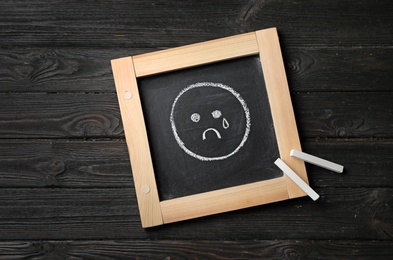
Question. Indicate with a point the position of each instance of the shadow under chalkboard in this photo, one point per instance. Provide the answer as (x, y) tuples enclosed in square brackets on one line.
[(209, 127)]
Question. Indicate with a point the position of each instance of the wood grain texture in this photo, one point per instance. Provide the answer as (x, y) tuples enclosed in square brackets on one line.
[(341, 213), (331, 114), (205, 249), (344, 114), (62, 163), (170, 23), (71, 115), (321, 69), (308, 68), (56, 70), (105, 164)]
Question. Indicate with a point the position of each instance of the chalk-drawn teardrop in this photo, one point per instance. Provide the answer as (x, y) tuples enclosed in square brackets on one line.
[(225, 123)]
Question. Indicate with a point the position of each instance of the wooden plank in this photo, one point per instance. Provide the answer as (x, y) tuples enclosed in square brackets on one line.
[(341, 213), (142, 24), (137, 142), (308, 68), (344, 114), (66, 203), (65, 115), (281, 106), (57, 70), (354, 114), (224, 200), (165, 249), (195, 54), (338, 69), (63, 163), (105, 164)]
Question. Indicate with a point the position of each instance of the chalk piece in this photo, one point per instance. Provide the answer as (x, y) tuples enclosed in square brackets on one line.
[(127, 95), (317, 161), (299, 182)]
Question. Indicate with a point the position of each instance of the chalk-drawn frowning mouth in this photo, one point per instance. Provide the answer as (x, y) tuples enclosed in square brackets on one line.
[(211, 129)]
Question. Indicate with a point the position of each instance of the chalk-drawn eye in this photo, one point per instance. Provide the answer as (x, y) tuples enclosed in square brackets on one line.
[(216, 113), (195, 117)]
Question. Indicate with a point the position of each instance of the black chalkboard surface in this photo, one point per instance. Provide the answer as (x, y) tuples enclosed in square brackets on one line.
[(209, 127)]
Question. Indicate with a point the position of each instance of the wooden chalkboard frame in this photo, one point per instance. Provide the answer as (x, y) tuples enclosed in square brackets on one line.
[(126, 70)]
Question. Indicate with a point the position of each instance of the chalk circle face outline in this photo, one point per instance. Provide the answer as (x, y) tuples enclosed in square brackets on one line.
[(214, 85)]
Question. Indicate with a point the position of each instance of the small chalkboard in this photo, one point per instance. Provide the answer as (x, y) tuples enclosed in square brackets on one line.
[(209, 128), (204, 124)]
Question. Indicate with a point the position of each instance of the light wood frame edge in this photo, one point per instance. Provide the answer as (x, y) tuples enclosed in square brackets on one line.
[(281, 105), (223, 200), (192, 55), (195, 54), (137, 142)]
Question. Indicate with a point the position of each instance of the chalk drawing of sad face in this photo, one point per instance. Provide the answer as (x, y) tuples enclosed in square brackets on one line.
[(210, 121)]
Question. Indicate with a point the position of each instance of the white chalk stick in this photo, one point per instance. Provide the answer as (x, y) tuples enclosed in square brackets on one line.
[(317, 161), (299, 182)]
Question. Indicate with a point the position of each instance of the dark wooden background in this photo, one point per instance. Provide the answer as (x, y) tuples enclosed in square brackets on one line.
[(66, 190)]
